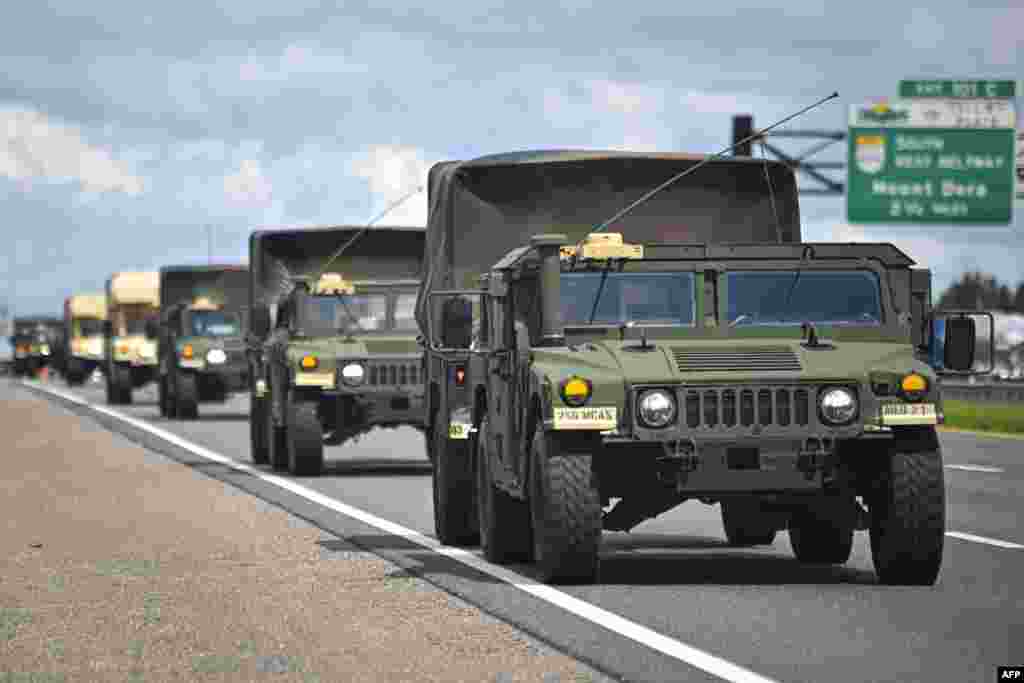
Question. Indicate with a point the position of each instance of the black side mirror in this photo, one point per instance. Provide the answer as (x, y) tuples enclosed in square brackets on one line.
[(953, 342), (958, 351), (260, 320), (457, 323)]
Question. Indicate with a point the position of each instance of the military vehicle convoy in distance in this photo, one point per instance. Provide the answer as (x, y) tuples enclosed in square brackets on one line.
[(133, 299), (697, 350), (201, 349), (333, 349), (84, 316), (38, 342)]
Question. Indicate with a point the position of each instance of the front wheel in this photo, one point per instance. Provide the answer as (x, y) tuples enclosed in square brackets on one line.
[(456, 520), (186, 396), (820, 538), (305, 437), (565, 505), (277, 444), (908, 518), (745, 525), (504, 521), (258, 430)]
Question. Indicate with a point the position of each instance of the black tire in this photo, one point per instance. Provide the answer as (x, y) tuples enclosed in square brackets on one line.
[(565, 506), (304, 437), (820, 539), (161, 395), (456, 518), (186, 396), (119, 385), (504, 522), (277, 445), (908, 519), (745, 525), (258, 430)]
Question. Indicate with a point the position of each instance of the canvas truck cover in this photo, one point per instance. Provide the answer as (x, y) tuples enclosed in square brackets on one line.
[(381, 253), (225, 285), (86, 306), (480, 210), (134, 288)]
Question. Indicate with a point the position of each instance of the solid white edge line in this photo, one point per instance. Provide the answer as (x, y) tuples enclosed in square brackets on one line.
[(976, 468), (984, 539), (624, 627)]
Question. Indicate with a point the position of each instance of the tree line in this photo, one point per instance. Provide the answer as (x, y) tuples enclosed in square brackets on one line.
[(980, 290)]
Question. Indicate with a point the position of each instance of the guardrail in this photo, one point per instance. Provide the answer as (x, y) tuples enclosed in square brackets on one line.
[(995, 392)]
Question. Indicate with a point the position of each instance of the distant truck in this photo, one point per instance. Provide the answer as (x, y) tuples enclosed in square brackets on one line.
[(333, 349), (201, 348), (38, 342), (84, 318), (696, 350), (133, 300)]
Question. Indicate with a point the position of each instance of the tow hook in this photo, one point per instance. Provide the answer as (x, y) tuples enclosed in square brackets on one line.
[(680, 458)]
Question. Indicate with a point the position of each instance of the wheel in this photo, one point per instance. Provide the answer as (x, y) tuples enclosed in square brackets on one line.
[(161, 395), (565, 505), (456, 520), (304, 436), (258, 430), (820, 538), (277, 445), (504, 522), (908, 517), (186, 396), (119, 385), (744, 524)]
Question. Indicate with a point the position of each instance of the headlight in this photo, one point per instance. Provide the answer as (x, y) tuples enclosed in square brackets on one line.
[(147, 351), (657, 408), (216, 356), (575, 391), (45, 349), (352, 374), (838, 406)]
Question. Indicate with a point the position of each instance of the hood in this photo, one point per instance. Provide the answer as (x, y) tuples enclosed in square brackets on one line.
[(366, 346)]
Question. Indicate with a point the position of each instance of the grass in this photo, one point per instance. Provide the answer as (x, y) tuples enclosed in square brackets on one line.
[(1007, 418)]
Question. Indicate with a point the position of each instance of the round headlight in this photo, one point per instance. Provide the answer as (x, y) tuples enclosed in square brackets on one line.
[(838, 406), (216, 356), (352, 373), (657, 408), (147, 351)]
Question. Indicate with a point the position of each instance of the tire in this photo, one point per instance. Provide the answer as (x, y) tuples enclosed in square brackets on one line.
[(745, 526), (119, 385), (161, 393), (277, 446), (565, 505), (820, 539), (908, 519), (504, 522), (258, 430), (304, 437), (186, 396), (456, 519)]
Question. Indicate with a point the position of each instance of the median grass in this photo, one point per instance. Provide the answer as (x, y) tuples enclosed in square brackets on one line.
[(1007, 418)]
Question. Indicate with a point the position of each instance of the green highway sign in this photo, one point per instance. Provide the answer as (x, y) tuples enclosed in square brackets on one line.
[(968, 89), (932, 161)]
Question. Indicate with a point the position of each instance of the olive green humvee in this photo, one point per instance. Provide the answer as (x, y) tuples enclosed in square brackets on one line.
[(696, 350), (332, 354), (201, 353)]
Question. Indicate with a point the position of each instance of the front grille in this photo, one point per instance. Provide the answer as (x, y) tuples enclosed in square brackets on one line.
[(392, 374), (746, 359), (725, 407)]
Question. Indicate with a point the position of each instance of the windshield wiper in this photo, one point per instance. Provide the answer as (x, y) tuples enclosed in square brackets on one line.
[(600, 290)]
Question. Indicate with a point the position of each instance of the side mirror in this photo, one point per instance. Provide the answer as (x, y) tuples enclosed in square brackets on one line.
[(953, 343), (457, 323), (260, 320)]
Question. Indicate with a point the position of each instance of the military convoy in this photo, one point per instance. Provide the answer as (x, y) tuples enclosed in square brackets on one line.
[(697, 350), (38, 342), (201, 346), (84, 317), (130, 350), (332, 339)]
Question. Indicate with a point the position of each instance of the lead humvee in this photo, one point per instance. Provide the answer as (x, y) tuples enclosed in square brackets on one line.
[(697, 350), (332, 354)]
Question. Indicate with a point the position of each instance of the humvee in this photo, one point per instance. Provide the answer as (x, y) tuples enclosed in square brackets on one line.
[(84, 315), (201, 350), (37, 342), (130, 350), (332, 343), (696, 350)]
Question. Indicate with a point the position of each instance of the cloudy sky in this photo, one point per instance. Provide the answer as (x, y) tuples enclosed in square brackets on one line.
[(132, 130)]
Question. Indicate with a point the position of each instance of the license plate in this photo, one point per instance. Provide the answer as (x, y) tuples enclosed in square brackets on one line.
[(458, 430), (600, 418), (909, 414)]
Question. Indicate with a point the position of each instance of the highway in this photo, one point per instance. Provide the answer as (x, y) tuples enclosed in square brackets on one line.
[(758, 613)]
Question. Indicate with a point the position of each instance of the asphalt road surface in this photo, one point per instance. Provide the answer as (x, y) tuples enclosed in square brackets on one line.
[(758, 609)]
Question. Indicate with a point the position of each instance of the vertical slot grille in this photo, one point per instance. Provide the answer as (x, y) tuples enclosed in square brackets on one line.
[(750, 407)]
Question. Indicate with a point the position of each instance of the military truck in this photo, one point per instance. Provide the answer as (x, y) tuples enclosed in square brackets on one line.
[(201, 349), (130, 351), (696, 350), (84, 316), (38, 343), (333, 349)]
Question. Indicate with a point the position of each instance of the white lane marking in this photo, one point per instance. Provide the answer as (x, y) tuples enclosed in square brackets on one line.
[(984, 539), (624, 627), (975, 468), (66, 395)]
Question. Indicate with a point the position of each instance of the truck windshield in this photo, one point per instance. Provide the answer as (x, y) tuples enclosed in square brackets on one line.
[(836, 297), (328, 315), (88, 327), (214, 324), (405, 312), (666, 298)]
